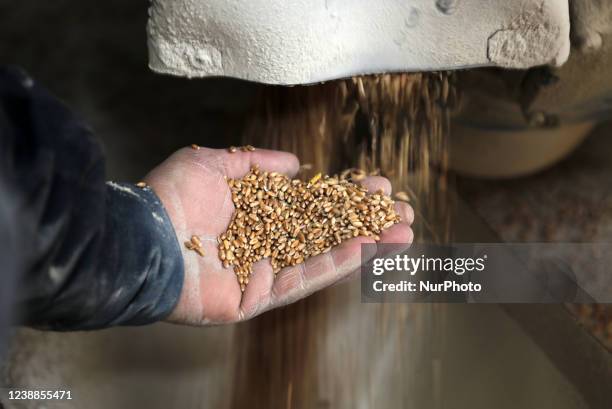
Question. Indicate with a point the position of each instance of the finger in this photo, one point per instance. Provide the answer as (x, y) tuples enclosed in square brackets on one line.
[(405, 211), (375, 183), (257, 293), (399, 233), (239, 163), (394, 240), (318, 272)]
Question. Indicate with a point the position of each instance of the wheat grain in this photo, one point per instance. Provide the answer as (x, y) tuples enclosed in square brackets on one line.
[(291, 220)]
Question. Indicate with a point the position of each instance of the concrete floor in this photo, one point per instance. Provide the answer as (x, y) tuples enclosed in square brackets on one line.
[(94, 57)]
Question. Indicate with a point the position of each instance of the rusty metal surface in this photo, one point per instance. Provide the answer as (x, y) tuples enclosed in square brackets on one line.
[(579, 355), (569, 202)]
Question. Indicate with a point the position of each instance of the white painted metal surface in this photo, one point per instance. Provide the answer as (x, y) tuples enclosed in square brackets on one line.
[(301, 42)]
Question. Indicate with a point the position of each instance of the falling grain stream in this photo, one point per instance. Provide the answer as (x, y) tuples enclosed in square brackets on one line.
[(330, 350)]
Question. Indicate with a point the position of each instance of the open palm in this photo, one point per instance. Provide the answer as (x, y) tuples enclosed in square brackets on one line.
[(192, 186)]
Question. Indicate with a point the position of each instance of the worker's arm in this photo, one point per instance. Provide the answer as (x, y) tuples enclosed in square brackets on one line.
[(94, 254), (85, 253)]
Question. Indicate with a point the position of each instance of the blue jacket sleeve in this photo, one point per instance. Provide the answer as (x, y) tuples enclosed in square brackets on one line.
[(85, 253)]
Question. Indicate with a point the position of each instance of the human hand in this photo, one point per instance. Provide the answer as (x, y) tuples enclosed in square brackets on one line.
[(192, 186)]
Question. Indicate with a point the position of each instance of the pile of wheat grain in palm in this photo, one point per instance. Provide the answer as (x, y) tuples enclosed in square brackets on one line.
[(290, 220)]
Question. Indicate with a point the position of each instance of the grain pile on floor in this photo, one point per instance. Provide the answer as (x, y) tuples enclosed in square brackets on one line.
[(289, 220)]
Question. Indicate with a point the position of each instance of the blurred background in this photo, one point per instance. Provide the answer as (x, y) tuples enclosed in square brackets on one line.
[(529, 166)]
